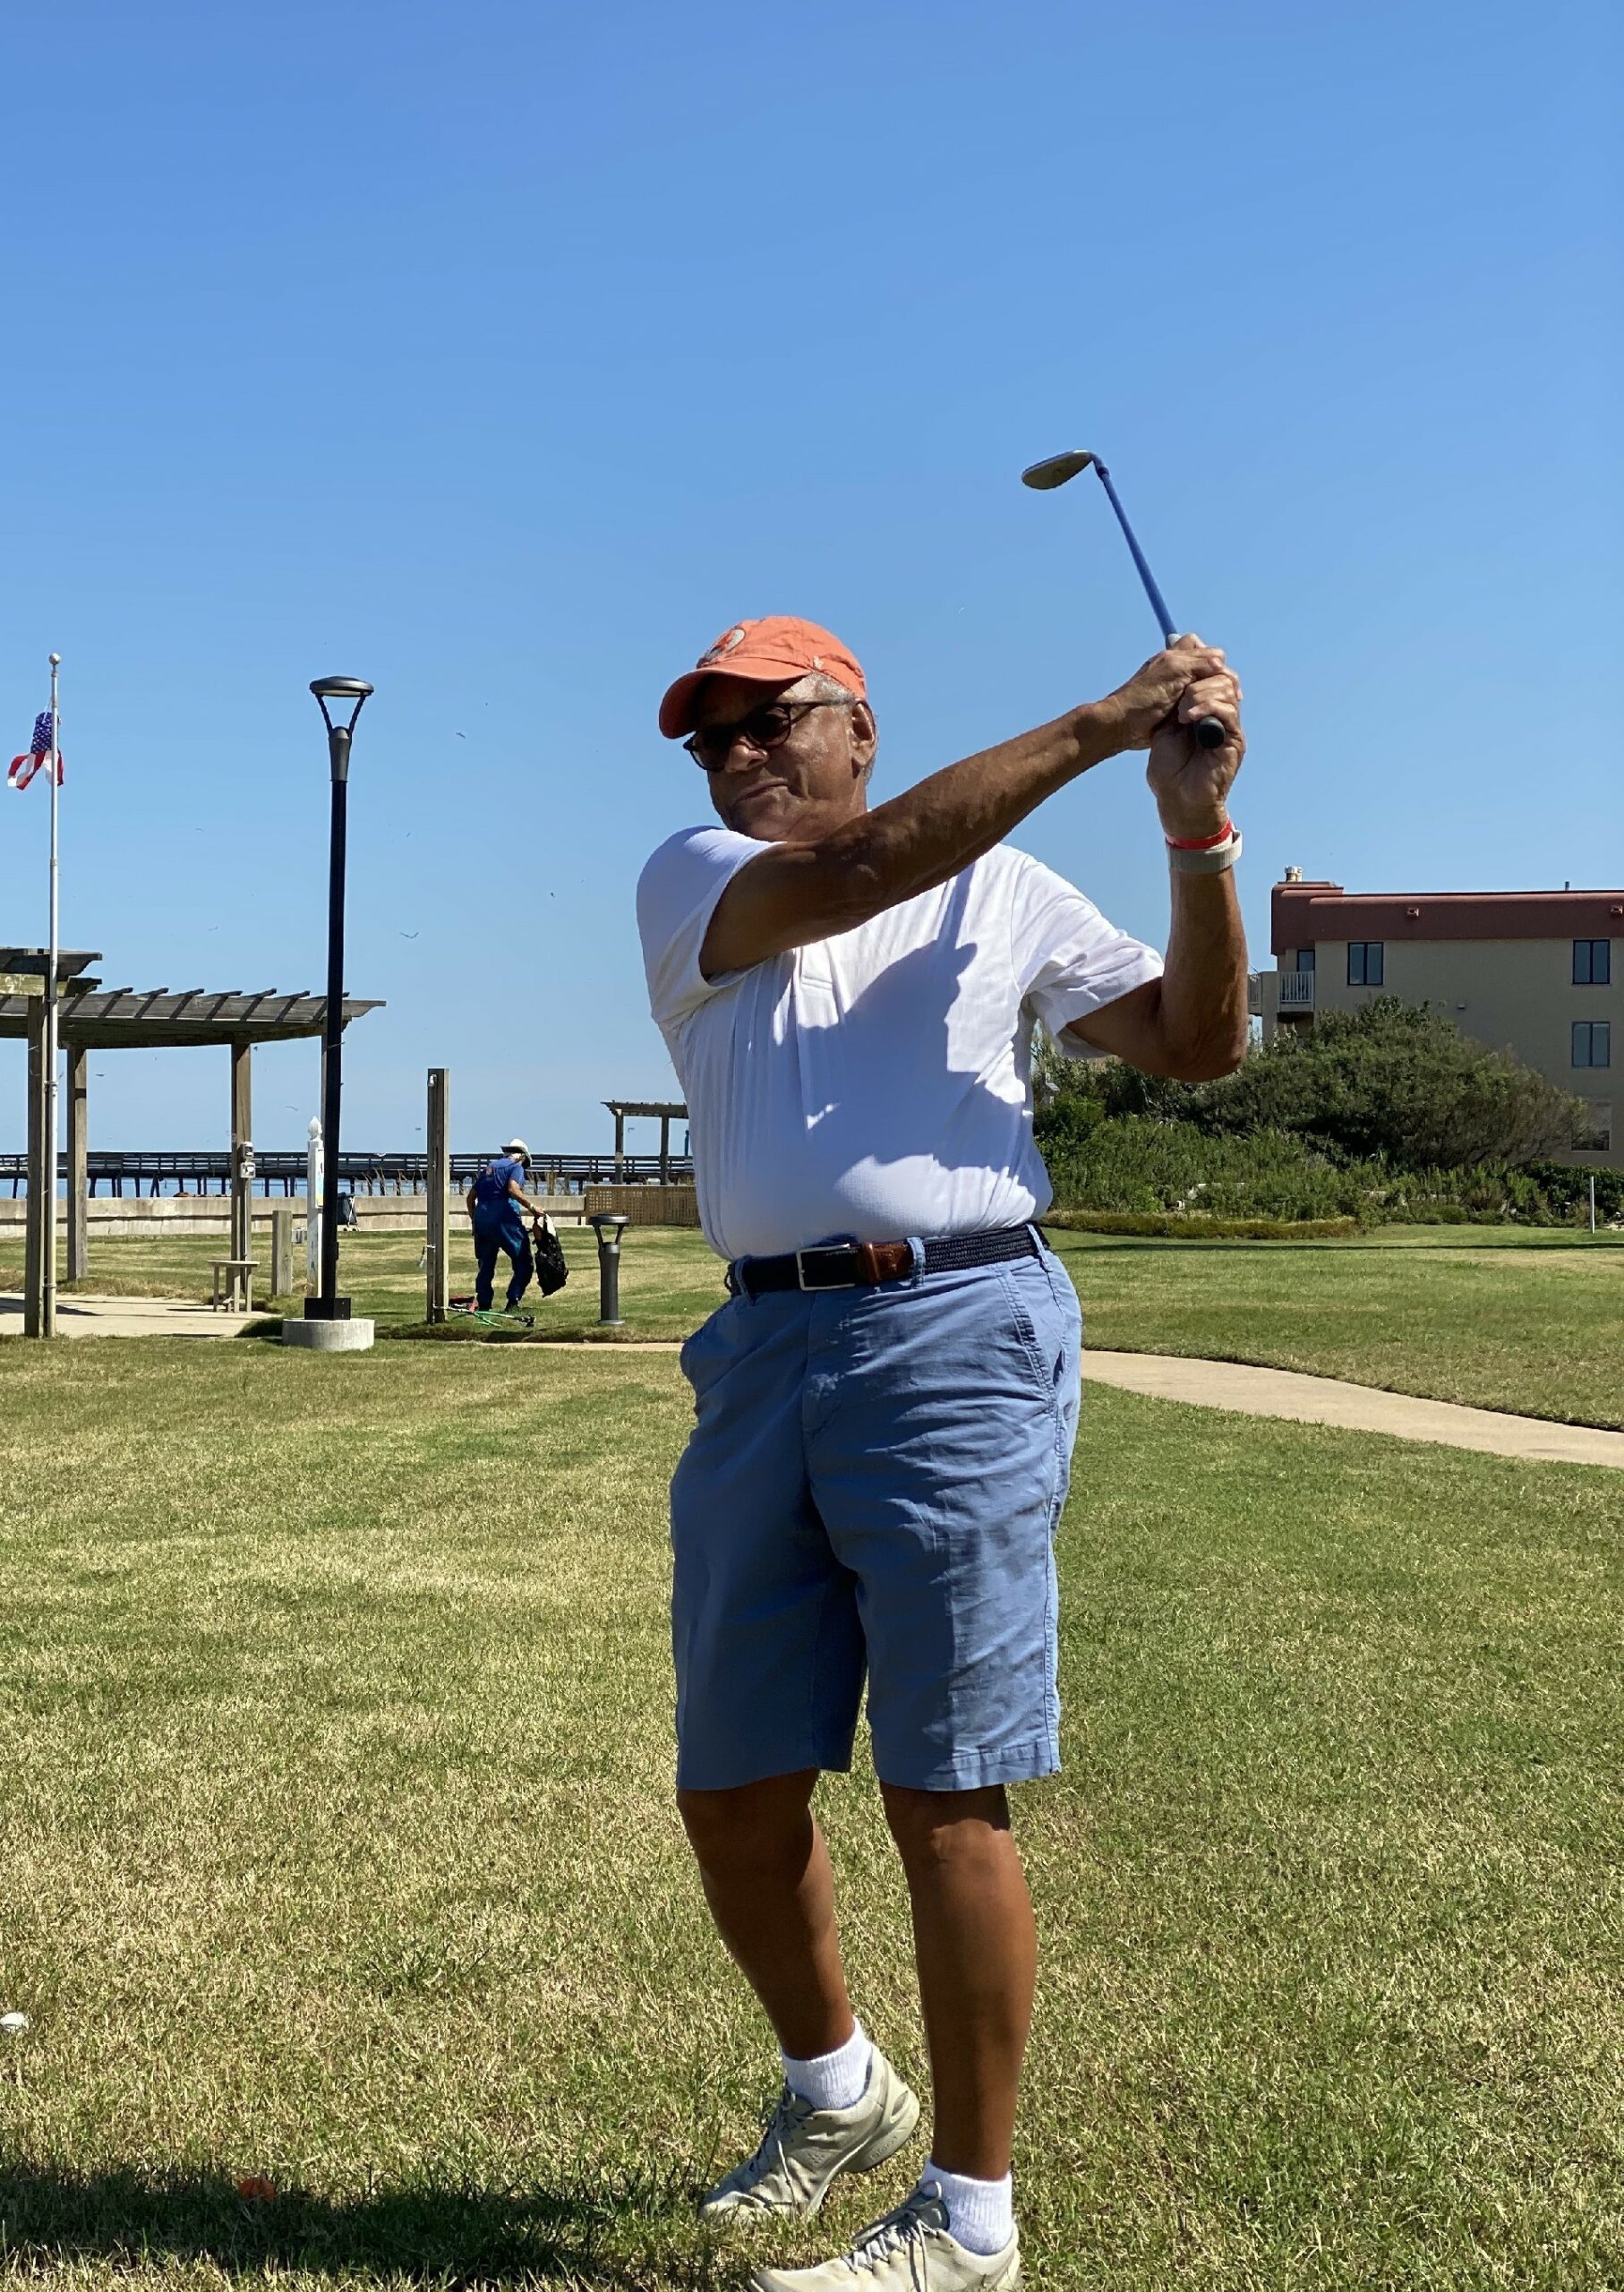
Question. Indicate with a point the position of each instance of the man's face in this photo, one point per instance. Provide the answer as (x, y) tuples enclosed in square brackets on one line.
[(810, 783)]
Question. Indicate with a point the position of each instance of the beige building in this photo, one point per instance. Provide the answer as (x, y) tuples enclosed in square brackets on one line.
[(1537, 974)]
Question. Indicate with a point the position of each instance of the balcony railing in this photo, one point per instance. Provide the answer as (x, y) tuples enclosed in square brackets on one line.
[(1295, 990)]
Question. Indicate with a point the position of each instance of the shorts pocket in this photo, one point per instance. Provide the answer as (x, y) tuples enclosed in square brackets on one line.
[(704, 1354), (1038, 1321)]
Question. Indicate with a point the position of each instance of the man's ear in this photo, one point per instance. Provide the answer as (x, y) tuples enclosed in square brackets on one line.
[(864, 735)]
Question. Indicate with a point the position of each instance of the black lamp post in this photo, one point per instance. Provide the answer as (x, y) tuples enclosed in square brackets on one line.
[(340, 700), (609, 1228)]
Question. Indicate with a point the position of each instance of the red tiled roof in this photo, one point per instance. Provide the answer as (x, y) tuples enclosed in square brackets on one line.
[(1302, 914)]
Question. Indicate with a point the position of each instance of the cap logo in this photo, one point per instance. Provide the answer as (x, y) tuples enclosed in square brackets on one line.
[(722, 645)]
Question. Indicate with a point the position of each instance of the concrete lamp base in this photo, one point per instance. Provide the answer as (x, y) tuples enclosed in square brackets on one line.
[(328, 1337)]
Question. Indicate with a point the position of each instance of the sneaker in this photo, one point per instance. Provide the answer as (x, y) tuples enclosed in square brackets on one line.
[(803, 2149), (909, 2251)]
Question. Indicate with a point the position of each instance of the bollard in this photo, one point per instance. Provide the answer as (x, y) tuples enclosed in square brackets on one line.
[(282, 1250), (608, 1226)]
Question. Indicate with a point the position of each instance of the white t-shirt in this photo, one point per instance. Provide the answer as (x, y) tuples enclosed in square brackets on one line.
[(879, 1083)]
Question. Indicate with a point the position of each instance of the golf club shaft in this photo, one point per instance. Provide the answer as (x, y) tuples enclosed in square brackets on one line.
[(1209, 732)]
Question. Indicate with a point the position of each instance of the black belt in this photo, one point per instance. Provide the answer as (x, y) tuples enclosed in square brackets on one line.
[(865, 1265)]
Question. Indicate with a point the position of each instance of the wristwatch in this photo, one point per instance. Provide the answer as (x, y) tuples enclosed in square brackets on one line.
[(1209, 858)]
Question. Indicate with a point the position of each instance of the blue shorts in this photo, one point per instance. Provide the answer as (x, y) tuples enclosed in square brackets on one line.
[(871, 1487)]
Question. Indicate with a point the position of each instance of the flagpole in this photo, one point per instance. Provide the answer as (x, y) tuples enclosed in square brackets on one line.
[(47, 1320)]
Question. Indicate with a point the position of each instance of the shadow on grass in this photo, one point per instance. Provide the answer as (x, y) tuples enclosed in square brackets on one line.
[(624, 2230)]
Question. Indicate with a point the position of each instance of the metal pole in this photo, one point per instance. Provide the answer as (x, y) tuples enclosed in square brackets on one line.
[(1592, 1202), (47, 1323), (439, 1202), (312, 1207), (333, 1307), (78, 1065)]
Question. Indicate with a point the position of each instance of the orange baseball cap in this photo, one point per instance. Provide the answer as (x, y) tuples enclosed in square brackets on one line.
[(773, 651)]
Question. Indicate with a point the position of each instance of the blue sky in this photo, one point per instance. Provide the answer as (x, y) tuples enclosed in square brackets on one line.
[(504, 354)]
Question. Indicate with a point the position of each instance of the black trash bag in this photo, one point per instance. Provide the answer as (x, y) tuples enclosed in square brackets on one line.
[(551, 1271)]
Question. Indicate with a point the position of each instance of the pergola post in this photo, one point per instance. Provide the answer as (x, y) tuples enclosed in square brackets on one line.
[(439, 1194), (33, 1265), (242, 1161), (79, 1253), (665, 1150), (619, 1143)]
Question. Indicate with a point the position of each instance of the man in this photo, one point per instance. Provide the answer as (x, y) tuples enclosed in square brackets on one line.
[(498, 1225), (885, 1406)]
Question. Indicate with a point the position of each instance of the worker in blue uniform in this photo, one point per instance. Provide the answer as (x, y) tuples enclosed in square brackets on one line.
[(494, 1201)]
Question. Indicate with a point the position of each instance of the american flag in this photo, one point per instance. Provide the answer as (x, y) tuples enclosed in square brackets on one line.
[(24, 767)]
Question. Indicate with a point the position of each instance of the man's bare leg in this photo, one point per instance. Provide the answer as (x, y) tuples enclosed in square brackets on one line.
[(771, 1890), (976, 1943)]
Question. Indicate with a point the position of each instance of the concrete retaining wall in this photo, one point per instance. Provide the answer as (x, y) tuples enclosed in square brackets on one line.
[(208, 1216)]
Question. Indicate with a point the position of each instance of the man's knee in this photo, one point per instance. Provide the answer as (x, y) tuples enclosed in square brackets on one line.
[(758, 1827), (934, 1829)]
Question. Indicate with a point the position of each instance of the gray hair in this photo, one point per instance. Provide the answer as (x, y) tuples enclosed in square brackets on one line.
[(816, 686)]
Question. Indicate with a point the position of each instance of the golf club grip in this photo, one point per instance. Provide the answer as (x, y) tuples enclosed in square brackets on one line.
[(1209, 733)]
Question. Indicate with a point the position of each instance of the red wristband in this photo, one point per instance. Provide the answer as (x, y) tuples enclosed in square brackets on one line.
[(1201, 842)]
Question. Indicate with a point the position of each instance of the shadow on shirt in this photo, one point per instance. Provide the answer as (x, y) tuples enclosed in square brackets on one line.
[(888, 1090)]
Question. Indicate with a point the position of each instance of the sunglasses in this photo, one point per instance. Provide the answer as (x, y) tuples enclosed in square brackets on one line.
[(766, 727)]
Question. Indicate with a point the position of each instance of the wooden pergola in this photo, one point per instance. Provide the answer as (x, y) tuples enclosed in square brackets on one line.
[(662, 1113), (91, 1018)]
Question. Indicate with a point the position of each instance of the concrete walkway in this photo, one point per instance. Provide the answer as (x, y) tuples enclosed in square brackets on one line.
[(1231, 1385), (1361, 1408), (81, 1316), (1250, 1392)]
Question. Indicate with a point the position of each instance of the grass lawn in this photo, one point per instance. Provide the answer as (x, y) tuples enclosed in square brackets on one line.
[(339, 1848), (669, 1280), (1509, 1320), (1515, 1321)]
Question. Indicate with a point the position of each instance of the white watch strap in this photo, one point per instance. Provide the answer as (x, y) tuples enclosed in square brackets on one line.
[(1213, 861)]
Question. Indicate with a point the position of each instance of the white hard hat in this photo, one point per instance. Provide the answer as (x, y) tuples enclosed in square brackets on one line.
[(516, 1146)]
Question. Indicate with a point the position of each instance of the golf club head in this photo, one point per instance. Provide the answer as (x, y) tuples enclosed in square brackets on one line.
[(1044, 476)]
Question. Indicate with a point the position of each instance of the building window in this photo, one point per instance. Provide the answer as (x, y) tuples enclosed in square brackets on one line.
[(1593, 963), (1598, 1129), (1365, 962), (1305, 958), (1591, 1042)]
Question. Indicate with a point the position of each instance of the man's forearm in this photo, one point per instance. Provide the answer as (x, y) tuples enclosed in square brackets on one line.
[(1203, 1010), (797, 893), (931, 831), (1192, 1023), (801, 891)]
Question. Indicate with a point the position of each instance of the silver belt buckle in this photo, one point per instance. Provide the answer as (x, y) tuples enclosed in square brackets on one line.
[(849, 1250)]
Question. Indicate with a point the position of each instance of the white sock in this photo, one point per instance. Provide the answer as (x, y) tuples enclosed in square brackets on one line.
[(980, 2214), (833, 2080)]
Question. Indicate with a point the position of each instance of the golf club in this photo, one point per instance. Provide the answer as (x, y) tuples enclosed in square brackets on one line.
[(1043, 477)]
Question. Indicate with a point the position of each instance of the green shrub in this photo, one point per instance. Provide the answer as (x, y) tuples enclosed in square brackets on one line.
[(1132, 1162), (1391, 1082), (1137, 1166), (1171, 1227), (1398, 1080)]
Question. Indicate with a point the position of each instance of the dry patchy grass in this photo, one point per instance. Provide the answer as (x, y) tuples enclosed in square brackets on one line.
[(339, 1846)]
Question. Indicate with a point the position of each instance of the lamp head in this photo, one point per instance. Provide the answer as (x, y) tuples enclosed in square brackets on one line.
[(340, 700), (1044, 476)]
